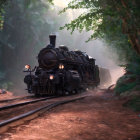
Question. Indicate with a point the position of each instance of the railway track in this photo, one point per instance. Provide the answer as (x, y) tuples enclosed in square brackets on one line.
[(24, 103), (20, 118), (18, 98)]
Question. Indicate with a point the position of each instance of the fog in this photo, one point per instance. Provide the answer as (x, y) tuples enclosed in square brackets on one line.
[(97, 49), (27, 31)]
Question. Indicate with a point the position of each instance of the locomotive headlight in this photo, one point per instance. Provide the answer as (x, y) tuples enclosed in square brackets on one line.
[(61, 66), (51, 77), (27, 67)]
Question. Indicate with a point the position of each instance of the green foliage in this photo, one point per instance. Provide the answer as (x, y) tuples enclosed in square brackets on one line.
[(123, 86), (132, 77), (27, 4), (25, 30), (27, 25), (134, 103), (3, 83), (92, 18), (6, 85), (2, 4), (102, 18), (2, 12), (2, 75)]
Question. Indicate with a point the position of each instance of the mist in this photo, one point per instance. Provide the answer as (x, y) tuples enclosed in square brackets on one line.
[(97, 49), (23, 39)]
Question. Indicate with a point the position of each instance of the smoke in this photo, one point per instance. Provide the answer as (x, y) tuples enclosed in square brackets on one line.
[(97, 49), (29, 48)]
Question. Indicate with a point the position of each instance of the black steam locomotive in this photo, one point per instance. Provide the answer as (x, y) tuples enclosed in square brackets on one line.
[(61, 71)]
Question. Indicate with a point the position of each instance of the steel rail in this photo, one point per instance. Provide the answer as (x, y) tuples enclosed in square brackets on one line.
[(25, 103), (18, 98), (5, 125)]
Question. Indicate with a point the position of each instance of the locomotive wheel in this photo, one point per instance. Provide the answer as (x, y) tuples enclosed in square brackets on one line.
[(66, 93), (63, 93), (75, 91)]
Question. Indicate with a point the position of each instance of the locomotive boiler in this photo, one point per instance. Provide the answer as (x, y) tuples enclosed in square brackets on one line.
[(61, 72)]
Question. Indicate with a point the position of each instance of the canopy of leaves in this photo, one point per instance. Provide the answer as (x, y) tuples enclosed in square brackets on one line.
[(117, 23), (102, 18)]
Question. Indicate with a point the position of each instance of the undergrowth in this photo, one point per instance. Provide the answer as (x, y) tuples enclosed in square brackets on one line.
[(133, 103), (129, 84), (131, 78)]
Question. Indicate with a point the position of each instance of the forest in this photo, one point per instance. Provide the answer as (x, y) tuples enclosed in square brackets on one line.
[(115, 22)]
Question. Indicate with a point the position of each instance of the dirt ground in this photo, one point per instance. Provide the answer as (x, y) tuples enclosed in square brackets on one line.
[(100, 116), (7, 95)]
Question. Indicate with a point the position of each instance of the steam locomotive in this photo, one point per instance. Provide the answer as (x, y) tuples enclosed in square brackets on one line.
[(61, 71)]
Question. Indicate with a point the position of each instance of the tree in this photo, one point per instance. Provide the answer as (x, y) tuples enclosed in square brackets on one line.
[(25, 30), (2, 5), (116, 22), (102, 15)]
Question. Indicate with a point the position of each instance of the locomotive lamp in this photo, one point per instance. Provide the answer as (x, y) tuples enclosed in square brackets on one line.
[(27, 67), (51, 77), (61, 66)]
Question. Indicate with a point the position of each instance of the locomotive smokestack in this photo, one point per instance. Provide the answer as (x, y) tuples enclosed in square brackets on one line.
[(52, 40)]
